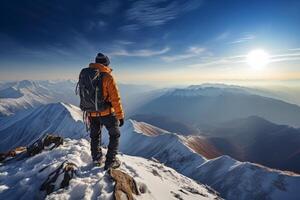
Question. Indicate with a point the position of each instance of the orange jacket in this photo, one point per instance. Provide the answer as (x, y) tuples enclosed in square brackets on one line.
[(110, 92)]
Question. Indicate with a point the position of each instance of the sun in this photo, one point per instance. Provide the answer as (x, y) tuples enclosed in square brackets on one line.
[(258, 58)]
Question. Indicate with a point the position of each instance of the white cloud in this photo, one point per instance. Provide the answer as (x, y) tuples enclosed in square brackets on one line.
[(158, 12), (101, 23), (286, 56), (191, 52), (129, 28), (246, 38), (223, 36), (123, 42), (108, 7), (139, 53)]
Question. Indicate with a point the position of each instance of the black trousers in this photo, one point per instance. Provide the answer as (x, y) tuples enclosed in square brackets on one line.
[(111, 123)]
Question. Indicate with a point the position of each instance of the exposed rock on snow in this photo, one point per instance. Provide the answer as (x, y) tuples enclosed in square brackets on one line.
[(45, 142), (125, 185), (59, 178)]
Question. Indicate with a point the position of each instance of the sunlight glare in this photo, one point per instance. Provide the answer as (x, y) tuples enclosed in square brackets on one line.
[(258, 58)]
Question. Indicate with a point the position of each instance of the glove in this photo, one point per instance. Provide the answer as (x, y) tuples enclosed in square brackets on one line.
[(121, 122)]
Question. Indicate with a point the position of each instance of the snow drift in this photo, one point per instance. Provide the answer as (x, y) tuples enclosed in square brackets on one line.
[(22, 179), (25, 127)]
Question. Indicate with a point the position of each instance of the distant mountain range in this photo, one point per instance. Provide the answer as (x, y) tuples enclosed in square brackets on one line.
[(258, 140), (206, 105), (167, 123), (17, 96), (247, 139), (22, 95)]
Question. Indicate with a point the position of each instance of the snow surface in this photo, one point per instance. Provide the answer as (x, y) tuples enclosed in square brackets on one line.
[(22, 179), (23, 128), (233, 179)]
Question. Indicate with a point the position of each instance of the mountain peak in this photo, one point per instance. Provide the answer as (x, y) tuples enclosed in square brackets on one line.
[(145, 128)]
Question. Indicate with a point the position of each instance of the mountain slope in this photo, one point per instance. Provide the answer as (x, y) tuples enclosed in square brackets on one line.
[(202, 106), (23, 128), (225, 174), (166, 123), (258, 140), (157, 180), (144, 140), (21, 95)]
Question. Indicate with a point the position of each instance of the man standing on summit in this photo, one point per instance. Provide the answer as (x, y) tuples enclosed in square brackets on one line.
[(100, 100)]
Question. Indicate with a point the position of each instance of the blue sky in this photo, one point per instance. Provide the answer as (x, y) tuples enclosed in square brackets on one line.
[(149, 41)]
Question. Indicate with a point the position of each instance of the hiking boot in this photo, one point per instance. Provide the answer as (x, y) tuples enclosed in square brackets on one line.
[(115, 163), (98, 162)]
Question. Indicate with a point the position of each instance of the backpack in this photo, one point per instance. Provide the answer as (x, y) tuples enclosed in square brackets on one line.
[(91, 90)]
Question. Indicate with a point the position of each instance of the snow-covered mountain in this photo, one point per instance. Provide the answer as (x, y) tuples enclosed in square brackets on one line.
[(158, 181), (233, 179), (21, 95), (25, 127), (207, 105), (258, 140)]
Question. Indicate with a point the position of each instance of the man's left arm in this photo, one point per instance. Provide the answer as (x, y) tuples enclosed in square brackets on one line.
[(115, 98)]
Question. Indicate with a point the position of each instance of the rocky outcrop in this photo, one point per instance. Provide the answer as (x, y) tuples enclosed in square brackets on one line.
[(46, 142), (61, 177), (125, 185)]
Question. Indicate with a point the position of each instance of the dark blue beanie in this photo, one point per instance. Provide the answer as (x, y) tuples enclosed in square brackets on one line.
[(102, 59)]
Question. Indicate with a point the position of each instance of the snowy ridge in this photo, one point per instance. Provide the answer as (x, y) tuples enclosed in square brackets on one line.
[(23, 128), (244, 180), (166, 147), (233, 179), (147, 129), (22, 179)]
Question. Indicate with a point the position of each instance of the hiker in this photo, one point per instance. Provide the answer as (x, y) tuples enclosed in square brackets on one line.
[(101, 103)]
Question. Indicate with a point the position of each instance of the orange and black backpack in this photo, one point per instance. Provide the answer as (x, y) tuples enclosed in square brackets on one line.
[(90, 89)]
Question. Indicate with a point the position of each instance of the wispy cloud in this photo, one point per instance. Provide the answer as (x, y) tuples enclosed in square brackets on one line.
[(129, 27), (223, 36), (286, 56), (108, 7), (101, 23), (123, 42), (246, 38), (158, 12), (139, 53), (191, 52), (92, 25), (218, 61)]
